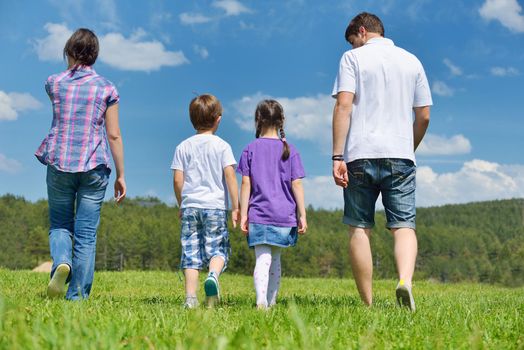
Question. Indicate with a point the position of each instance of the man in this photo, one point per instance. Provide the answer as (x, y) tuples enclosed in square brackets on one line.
[(377, 89)]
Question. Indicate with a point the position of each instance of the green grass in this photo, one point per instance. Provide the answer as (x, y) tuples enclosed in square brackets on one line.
[(142, 310)]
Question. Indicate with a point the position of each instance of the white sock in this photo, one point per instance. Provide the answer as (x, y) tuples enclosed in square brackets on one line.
[(274, 276), (261, 273)]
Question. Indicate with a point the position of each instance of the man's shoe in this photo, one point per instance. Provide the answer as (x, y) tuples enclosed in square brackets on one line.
[(212, 290), (57, 286), (404, 296)]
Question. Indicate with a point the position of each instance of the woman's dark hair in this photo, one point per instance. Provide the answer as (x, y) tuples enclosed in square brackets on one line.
[(269, 114), (82, 47), (367, 20)]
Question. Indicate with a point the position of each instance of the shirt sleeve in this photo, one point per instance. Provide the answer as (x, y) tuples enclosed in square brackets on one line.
[(178, 160), (243, 164), (227, 157), (422, 91), (297, 169), (346, 78), (113, 96)]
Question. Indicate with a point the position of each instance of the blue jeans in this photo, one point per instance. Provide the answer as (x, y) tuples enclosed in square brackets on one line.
[(72, 234), (394, 179)]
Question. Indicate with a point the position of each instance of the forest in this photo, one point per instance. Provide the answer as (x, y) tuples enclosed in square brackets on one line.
[(477, 242)]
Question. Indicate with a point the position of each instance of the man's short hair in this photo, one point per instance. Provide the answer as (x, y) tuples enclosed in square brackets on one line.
[(204, 111), (367, 20)]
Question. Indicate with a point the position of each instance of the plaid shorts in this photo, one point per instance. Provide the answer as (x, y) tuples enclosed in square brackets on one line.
[(203, 236)]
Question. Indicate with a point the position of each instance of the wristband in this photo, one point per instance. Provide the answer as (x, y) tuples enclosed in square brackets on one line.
[(338, 157)]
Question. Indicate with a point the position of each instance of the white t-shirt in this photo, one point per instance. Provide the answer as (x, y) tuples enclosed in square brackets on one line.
[(202, 158), (387, 82)]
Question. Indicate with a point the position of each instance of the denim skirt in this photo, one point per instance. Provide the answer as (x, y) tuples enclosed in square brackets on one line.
[(271, 235)]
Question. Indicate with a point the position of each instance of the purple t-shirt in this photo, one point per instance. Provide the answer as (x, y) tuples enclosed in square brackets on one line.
[(271, 201)]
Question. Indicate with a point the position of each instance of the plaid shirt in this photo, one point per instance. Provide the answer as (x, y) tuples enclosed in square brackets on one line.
[(77, 141)]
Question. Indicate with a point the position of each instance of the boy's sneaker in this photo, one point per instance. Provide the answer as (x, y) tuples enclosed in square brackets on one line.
[(57, 286), (191, 303), (212, 289), (404, 296)]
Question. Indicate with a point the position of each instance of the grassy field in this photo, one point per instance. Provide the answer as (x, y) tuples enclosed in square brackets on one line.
[(142, 310)]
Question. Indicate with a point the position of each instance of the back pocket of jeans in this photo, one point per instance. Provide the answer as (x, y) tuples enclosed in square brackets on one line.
[(404, 171)]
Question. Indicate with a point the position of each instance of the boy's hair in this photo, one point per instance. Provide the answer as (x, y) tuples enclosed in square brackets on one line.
[(270, 113), (82, 47), (204, 111), (367, 20)]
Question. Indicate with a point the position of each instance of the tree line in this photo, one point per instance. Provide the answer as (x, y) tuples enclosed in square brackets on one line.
[(477, 242)]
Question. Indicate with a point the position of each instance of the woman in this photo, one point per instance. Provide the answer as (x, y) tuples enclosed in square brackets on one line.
[(85, 118)]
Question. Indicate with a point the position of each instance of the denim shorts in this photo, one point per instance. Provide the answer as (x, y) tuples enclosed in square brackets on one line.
[(391, 177), (203, 236), (271, 235)]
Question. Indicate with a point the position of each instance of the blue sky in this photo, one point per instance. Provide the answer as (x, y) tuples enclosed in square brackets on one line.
[(160, 53)]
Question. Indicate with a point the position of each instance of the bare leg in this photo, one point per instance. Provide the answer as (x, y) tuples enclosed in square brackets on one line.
[(216, 265), (191, 276), (361, 262), (405, 253)]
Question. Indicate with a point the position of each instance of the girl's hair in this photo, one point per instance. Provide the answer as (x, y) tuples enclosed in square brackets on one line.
[(82, 47), (269, 114)]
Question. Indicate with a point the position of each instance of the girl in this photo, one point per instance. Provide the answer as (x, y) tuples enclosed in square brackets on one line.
[(76, 153), (270, 199)]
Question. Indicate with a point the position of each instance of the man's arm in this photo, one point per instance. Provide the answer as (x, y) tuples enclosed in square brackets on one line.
[(232, 187), (420, 125), (341, 122)]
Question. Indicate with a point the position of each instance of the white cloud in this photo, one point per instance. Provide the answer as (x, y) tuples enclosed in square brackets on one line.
[(193, 18), (14, 102), (321, 192), (133, 53), (454, 70), (504, 71), (109, 11), (477, 180), (201, 51), (442, 89), (440, 145), (232, 7), (51, 47), (507, 12), (10, 166), (307, 118)]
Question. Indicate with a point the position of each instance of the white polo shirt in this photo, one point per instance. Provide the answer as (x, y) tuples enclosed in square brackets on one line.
[(387, 82)]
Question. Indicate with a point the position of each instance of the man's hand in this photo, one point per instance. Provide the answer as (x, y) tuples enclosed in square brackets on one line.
[(340, 173)]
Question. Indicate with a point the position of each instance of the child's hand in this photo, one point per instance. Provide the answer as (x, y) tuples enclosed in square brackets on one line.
[(302, 225), (244, 225), (235, 217)]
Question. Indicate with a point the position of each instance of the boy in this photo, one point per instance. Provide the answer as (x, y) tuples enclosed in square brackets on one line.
[(204, 166)]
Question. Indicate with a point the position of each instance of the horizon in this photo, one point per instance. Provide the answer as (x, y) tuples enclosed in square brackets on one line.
[(159, 53)]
